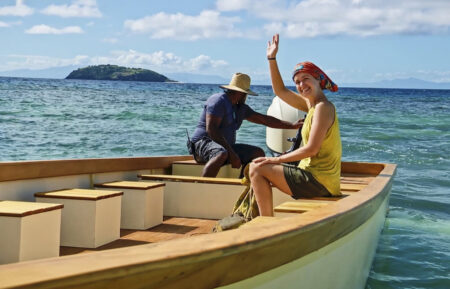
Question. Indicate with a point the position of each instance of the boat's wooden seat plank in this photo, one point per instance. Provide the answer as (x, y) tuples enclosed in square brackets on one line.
[(192, 179), (352, 187), (345, 178), (130, 185), (22, 209), (297, 207), (79, 194), (357, 178), (217, 181)]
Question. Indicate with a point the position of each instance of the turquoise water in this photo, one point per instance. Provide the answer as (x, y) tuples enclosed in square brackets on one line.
[(62, 119)]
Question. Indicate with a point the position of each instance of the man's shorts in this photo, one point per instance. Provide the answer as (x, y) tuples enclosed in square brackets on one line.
[(303, 184), (206, 149)]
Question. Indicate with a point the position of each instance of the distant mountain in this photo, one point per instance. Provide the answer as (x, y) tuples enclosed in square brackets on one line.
[(54, 72), (115, 72), (412, 83)]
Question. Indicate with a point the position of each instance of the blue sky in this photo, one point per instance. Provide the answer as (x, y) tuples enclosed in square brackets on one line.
[(354, 41)]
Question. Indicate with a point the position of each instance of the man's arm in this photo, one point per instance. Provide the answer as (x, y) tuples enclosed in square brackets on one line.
[(212, 128), (273, 122)]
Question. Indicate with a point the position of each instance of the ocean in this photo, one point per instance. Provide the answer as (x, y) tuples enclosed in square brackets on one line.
[(64, 119)]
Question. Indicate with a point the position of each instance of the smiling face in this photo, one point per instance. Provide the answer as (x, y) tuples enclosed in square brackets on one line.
[(306, 84)]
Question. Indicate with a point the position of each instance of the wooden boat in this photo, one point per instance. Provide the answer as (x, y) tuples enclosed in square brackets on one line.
[(325, 244)]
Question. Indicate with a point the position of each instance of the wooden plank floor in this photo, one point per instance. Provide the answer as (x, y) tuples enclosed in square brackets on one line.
[(171, 228)]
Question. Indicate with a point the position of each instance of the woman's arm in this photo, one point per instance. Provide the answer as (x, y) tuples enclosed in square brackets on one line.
[(323, 118), (290, 97)]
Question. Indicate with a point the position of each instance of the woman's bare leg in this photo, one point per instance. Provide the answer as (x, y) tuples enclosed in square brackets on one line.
[(261, 179)]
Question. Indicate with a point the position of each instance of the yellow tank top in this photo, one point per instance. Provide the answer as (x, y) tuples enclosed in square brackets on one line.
[(326, 165)]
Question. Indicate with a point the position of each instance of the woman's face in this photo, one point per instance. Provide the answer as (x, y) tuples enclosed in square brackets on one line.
[(306, 84)]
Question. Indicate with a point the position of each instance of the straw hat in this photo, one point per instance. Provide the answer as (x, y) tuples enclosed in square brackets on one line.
[(240, 82)]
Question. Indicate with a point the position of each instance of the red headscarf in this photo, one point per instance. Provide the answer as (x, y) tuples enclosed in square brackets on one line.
[(316, 72)]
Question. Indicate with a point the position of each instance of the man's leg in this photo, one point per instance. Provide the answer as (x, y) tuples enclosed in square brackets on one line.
[(211, 153), (247, 153), (212, 167)]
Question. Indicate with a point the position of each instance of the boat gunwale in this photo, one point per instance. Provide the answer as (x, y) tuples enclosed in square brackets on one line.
[(231, 243)]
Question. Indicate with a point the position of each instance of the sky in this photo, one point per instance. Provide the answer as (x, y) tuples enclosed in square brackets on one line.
[(353, 41)]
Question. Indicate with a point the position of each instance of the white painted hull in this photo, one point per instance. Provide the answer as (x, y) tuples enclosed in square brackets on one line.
[(343, 264)]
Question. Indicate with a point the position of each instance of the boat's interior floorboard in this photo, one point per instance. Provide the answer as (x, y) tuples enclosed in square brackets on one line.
[(171, 228)]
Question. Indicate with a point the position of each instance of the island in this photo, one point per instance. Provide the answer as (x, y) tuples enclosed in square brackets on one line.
[(115, 72)]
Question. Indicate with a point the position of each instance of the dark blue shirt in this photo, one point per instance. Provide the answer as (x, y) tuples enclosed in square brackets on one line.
[(219, 105)]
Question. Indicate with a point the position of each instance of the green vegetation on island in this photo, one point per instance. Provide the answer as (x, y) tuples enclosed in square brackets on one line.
[(115, 72)]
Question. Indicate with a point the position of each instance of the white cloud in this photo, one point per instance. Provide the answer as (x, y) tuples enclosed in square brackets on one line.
[(208, 24), (78, 8), (20, 9), (204, 62), (161, 61), (233, 5), (45, 29), (311, 18), (9, 24), (110, 40)]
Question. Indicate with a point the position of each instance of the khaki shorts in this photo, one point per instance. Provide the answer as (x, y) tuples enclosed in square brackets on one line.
[(303, 184)]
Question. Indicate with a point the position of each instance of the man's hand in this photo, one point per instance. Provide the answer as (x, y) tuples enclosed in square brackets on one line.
[(298, 123), (235, 161)]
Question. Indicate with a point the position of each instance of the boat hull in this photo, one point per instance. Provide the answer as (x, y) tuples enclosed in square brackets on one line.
[(343, 264), (311, 248)]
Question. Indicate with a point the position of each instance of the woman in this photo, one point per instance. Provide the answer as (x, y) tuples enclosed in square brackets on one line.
[(319, 170)]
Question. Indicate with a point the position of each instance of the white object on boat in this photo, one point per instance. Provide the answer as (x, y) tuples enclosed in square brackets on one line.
[(276, 139)]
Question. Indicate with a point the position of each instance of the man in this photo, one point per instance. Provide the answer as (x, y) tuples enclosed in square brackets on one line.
[(214, 139)]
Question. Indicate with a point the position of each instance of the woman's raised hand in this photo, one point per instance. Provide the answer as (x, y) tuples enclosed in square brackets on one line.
[(272, 47)]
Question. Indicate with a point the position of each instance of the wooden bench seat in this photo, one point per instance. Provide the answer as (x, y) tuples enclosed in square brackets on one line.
[(90, 218), (191, 179), (228, 181), (345, 188), (192, 168), (142, 203), (29, 230), (199, 197), (297, 207)]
